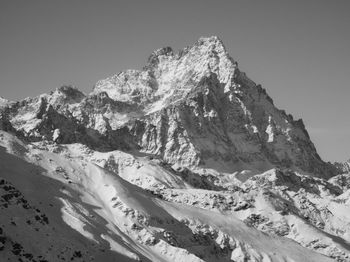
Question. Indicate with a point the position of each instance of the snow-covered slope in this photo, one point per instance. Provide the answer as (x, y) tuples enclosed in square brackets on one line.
[(55, 205), (185, 160)]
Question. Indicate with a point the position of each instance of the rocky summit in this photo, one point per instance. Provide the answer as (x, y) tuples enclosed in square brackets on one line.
[(185, 160)]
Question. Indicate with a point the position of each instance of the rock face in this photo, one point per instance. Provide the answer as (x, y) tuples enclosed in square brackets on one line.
[(343, 167), (185, 160), (191, 108)]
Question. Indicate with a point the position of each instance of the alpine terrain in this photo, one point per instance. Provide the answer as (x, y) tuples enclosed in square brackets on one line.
[(185, 160)]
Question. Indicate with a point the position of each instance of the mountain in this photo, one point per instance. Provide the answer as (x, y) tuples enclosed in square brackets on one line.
[(190, 108), (187, 160)]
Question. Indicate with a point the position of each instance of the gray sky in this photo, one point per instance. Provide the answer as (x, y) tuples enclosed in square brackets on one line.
[(297, 50)]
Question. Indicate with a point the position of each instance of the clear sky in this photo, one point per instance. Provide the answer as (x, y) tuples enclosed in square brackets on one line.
[(298, 50)]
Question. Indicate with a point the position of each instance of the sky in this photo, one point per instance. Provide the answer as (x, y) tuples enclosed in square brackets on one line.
[(297, 50)]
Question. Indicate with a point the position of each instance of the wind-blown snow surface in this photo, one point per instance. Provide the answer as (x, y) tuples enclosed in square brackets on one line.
[(185, 160), (57, 204)]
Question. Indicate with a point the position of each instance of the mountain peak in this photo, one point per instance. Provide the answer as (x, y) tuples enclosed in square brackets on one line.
[(67, 93), (167, 72), (185, 160), (213, 42), (206, 47), (201, 85)]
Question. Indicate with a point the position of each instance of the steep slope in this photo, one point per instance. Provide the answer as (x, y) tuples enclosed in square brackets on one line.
[(311, 211), (191, 109), (34, 220), (87, 213), (185, 160)]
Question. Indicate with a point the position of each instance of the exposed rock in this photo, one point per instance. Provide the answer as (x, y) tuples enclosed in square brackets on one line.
[(185, 160), (190, 108)]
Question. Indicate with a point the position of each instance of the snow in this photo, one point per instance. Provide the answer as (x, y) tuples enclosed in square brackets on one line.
[(258, 242), (269, 131), (103, 208), (4, 102), (56, 134), (72, 218), (195, 164), (115, 246)]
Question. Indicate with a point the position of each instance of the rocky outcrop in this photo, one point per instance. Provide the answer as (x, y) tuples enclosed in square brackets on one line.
[(343, 167), (190, 108)]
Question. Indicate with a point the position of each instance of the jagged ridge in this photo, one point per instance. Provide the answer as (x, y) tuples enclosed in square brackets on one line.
[(189, 108)]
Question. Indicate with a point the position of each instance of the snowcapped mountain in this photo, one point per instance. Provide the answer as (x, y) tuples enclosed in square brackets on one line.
[(187, 160)]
